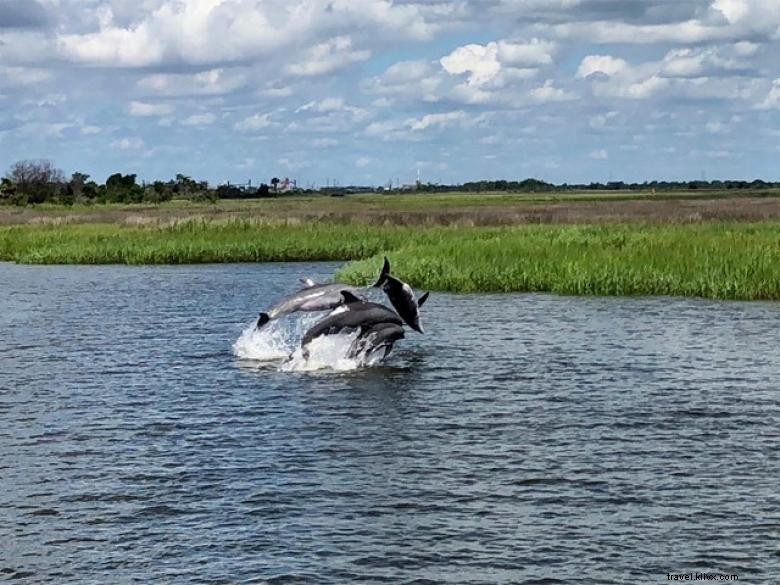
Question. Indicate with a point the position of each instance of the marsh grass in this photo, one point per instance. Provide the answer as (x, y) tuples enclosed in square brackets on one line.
[(724, 261), (735, 261)]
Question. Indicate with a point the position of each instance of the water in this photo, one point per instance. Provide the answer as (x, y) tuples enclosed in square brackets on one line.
[(523, 439)]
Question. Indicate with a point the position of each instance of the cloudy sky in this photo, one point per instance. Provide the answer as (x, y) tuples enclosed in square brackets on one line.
[(365, 91)]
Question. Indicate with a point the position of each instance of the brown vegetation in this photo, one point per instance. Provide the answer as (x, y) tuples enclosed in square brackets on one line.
[(378, 210)]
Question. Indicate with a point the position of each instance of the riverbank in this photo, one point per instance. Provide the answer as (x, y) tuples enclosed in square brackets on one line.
[(720, 260)]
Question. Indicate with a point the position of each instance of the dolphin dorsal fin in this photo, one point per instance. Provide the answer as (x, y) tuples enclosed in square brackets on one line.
[(422, 299), (307, 282), (383, 275), (349, 298)]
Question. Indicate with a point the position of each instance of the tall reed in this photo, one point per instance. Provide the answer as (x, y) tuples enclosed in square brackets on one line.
[(725, 261)]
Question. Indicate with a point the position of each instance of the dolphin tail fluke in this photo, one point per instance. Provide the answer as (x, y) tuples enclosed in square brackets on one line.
[(262, 320), (422, 299), (349, 298), (383, 275)]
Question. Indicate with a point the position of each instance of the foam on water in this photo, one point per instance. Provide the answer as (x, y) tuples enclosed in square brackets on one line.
[(329, 352), (274, 341)]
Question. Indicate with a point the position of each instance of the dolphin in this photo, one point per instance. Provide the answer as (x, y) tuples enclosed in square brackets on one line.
[(401, 297), (377, 337), (312, 297), (360, 315)]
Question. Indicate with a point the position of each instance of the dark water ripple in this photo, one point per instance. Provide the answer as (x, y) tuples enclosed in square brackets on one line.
[(524, 439)]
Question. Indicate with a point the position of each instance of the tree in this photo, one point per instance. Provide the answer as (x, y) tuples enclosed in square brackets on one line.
[(275, 183), (76, 185), (35, 181), (123, 189)]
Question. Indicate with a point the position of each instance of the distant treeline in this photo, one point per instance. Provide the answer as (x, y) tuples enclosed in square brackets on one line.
[(536, 186), (39, 181), (31, 182)]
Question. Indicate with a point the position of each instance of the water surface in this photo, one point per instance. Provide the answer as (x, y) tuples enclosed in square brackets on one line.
[(523, 439)]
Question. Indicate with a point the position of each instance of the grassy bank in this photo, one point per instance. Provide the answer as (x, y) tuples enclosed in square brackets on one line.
[(725, 261)]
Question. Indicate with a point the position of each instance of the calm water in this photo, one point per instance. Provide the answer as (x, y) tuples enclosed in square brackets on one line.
[(523, 439)]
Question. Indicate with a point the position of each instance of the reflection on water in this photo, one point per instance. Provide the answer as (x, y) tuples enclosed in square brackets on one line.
[(523, 439)]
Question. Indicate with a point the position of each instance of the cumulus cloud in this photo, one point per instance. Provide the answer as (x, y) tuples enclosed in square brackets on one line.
[(128, 143), (205, 32), (772, 99), (253, 123), (549, 93), (24, 75), (211, 82), (414, 128), (498, 62), (416, 80), (602, 64), (204, 119), (436, 120), (143, 109), (328, 57)]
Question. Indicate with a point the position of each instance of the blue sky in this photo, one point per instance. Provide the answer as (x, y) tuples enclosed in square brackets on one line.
[(368, 91)]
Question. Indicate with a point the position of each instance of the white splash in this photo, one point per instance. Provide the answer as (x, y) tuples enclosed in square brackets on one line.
[(281, 339), (275, 341), (330, 352)]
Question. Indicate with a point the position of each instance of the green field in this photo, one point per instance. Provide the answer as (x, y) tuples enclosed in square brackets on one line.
[(715, 260)]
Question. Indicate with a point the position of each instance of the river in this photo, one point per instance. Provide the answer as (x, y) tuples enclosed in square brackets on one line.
[(522, 439)]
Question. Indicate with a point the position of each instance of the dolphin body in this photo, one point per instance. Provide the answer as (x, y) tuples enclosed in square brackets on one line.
[(381, 336), (313, 297), (360, 315), (401, 297)]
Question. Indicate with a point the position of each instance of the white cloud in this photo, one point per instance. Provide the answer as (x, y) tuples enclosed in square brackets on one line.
[(330, 104), (204, 119), (211, 32), (212, 82), (603, 64), (362, 162), (23, 75), (328, 57), (414, 80), (253, 123), (600, 154), (699, 62), (480, 62), (549, 93), (436, 120), (143, 109), (128, 143), (772, 99), (499, 62)]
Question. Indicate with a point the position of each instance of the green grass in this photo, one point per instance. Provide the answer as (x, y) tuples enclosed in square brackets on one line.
[(724, 261)]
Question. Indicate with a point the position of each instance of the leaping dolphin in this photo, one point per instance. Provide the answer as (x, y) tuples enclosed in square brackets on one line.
[(313, 297), (360, 315), (374, 338), (401, 297)]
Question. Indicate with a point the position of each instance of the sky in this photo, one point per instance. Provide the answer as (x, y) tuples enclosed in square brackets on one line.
[(372, 91)]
